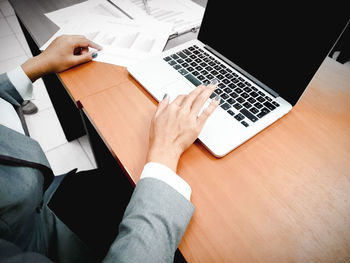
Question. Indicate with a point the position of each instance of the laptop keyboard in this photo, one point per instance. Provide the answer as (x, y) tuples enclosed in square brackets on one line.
[(239, 97)]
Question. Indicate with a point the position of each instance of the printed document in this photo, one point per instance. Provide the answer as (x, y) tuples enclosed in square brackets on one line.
[(184, 15), (124, 41)]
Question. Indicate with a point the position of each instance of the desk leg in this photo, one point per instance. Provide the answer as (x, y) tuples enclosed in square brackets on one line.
[(106, 162), (66, 110)]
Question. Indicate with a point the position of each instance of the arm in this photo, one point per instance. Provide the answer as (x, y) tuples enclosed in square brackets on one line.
[(158, 214), (64, 52)]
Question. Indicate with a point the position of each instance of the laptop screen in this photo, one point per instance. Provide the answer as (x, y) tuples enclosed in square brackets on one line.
[(281, 44)]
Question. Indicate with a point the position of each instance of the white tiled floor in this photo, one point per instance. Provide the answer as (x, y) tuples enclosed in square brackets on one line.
[(44, 125)]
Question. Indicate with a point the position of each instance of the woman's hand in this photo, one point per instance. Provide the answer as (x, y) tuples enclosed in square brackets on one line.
[(176, 126), (64, 52)]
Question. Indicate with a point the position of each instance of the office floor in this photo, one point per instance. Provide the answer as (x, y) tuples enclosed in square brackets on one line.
[(44, 125)]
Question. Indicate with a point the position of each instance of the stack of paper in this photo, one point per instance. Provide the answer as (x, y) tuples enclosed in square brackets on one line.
[(124, 30)]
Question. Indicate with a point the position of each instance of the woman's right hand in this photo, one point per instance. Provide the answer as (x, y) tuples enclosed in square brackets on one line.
[(176, 126)]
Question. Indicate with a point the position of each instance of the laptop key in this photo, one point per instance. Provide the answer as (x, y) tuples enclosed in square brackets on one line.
[(240, 100), (183, 71), (247, 105), (231, 100), (263, 112), (225, 106), (251, 100), (210, 76), (238, 106), (269, 105), (247, 89), (254, 110), (192, 79), (228, 90), (260, 99), (244, 95), (250, 116), (258, 105), (172, 62), (234, 95), (239, 117), (245, 124), (195, 73), (179, 61), (241, 84), (254, 94), (224, 96), (218, 91), (238, 90), (187, 52), (226, 81), (177, 66), (213, 95), (275, 103), (206, 82), (167, 58), (231, 112)]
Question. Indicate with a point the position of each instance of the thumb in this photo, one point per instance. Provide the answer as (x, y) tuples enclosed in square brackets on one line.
[(162, 104), (86, 57)]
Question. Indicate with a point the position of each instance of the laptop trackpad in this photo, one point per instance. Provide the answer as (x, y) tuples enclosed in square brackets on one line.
[(175, 88)]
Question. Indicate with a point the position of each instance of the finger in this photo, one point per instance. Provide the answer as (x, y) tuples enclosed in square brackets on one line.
[(208, 111), (83, 58), (84, 42), (162, 104), (179, 100), (84, 50), (187, 103), (202, 97)]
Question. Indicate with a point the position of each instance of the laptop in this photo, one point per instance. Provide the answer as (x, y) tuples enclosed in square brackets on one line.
[(263, 55)]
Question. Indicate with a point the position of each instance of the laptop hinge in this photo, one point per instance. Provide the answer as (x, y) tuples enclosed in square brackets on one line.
[(243, 72)]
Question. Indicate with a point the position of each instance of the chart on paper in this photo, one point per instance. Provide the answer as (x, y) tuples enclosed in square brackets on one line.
[(132, 41), (184, 15), (124, 41)]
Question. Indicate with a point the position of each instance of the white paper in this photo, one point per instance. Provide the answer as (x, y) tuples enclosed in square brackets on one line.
[(184, 15), (62, 17), (124, 42)]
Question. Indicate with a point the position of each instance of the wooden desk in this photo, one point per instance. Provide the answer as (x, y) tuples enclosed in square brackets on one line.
[(283, 196)]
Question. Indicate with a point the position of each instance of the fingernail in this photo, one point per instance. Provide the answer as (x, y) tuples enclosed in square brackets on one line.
[(214, 81), (217, 97), (94, 55), (165, 96)]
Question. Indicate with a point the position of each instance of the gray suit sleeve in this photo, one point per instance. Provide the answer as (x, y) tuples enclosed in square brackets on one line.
[(153, 224), (8, 92)]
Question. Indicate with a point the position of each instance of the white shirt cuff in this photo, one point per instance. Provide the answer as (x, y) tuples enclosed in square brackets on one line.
[(165, 174), (21, 82)]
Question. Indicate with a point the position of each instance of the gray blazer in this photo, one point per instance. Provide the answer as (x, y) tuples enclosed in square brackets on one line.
[(152, 227)]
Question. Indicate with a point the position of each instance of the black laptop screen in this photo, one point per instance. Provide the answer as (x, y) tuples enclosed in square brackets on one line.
[(281, 44)]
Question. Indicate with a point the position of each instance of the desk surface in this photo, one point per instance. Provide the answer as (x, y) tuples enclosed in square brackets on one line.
[(283, 196)]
